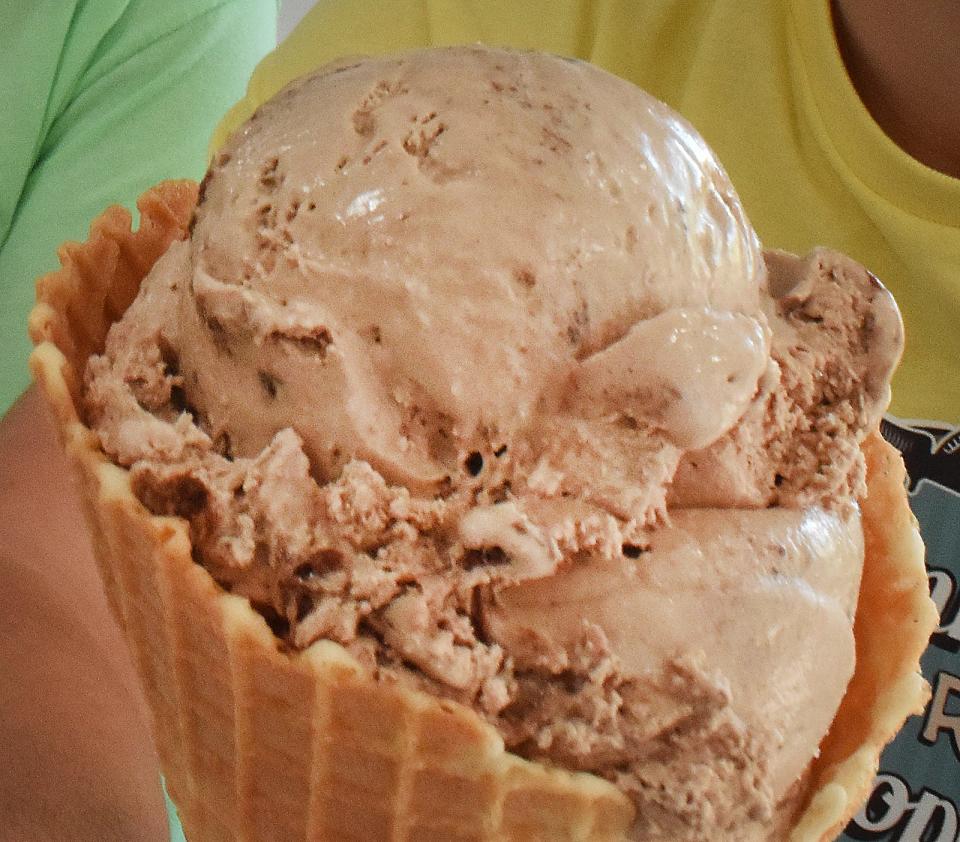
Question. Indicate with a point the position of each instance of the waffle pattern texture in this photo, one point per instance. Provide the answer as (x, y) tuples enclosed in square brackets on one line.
[(262, 743)]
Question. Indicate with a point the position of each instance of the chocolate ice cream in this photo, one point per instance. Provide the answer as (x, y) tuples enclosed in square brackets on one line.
[(474, 365)]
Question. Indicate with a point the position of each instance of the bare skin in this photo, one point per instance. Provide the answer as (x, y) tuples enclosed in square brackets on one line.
[(76, 758), (902, 59)]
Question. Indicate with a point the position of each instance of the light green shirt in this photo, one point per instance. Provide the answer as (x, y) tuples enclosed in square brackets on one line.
[(99, 99)]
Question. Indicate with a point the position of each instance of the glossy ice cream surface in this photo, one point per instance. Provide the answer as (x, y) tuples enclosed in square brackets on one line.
[(474, 364)]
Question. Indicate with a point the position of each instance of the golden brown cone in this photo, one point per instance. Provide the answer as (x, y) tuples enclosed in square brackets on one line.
[(260, 743)]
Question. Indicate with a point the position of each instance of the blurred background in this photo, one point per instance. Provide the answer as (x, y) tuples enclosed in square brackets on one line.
[(290, 13)]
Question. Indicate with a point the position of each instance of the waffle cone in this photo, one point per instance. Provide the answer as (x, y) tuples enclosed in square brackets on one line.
[(261, 743)]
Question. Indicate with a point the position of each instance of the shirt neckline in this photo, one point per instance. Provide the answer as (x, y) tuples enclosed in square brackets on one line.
[(865, 148)]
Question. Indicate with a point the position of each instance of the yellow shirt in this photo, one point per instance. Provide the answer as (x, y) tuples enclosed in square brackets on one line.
[(766, 86)]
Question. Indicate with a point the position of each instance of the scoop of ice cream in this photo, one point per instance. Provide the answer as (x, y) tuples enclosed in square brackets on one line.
[(793, 573), (409, 259), (474, 365)]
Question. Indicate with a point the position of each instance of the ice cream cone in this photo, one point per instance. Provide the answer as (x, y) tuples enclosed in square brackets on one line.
[(260, 742)]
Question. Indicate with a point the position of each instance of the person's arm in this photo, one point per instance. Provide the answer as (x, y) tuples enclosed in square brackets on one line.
[(77, 758)]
